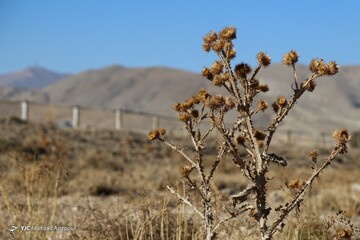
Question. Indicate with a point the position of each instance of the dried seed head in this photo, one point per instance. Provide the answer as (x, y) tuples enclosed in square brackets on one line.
[(231, 54), (229, 103), (240, 140), (205, 72), (228, 33), (186, 170), (184, 117), (242, 69), (290, 58), (313, 154), (262, 105), (218, 45), (262, 87), (195, 113), (263, 59), (275, 107), (195, 99), (186, 105), (162, 131), (218, 81), (228, 46), (296, 184), (177, 107), (216, 67), (260, 143), (343, 233), (333, 68), (342, 136), (311, 86), (259, 135), (203, 95), (224, 76), (281, 101), (210, 37), (319, 67), (206, 47), (215, 102), (154, 134)]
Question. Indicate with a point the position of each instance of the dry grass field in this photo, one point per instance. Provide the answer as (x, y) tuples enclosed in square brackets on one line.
[(105, 184)]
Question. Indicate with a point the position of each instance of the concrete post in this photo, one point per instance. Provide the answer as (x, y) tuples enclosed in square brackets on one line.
[(76, 117), (25, 110), (118, 119), (155, 122)]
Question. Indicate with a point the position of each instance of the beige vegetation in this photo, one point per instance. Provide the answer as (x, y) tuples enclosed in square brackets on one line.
[(112, 185)]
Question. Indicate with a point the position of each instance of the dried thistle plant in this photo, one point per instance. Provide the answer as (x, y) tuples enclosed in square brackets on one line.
[(243, 86)]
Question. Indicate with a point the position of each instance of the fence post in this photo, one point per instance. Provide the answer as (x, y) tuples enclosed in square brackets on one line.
[(75, 116), (24, 110), (118, 119), (155, 122)]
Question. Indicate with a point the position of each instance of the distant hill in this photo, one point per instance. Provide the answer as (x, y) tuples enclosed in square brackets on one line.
[(30, 78), (334, 103)]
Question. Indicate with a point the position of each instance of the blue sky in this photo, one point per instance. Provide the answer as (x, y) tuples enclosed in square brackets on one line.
[(74, 35)]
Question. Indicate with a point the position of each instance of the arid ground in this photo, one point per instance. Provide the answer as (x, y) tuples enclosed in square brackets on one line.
[(105, 184)]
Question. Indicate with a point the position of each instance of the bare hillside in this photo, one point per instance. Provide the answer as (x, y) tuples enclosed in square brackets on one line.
[(335, 101), (30, 78)]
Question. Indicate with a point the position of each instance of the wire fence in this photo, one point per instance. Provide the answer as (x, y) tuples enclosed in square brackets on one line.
[(78, 117)]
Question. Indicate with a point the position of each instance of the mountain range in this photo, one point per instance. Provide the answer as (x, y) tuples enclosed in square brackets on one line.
[(335, 101), (30, 78)]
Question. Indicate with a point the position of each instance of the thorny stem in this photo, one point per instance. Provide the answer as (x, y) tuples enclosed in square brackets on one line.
[(236, 157), (295, 77), (207, 133), (216, 163), (298, 198), (179, 150), (256, 72), (185, 201), (194, 186), (273, 126), (236, 125), (206, 190), (236, 91)]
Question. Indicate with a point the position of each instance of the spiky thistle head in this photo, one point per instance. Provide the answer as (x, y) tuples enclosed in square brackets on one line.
[(333, 68), (275, 107), (205, 72), (262, 87), (218, 45), (342, 135), (281, 101), (186, 170), (259, 135), (242, 70), (319, 67), (216, 67), (291, 57), (228, 33), (203, 95), (156, 134), (240, 140), (208, 41), (262, 105), (263, 59)]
